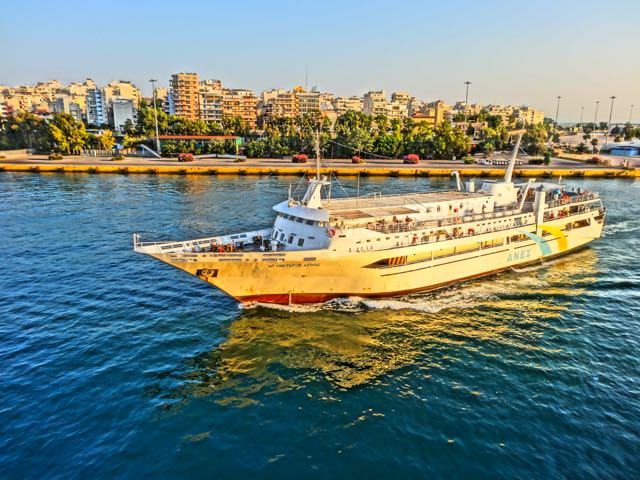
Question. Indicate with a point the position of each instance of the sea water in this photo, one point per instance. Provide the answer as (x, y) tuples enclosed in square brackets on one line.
[(113, 364)]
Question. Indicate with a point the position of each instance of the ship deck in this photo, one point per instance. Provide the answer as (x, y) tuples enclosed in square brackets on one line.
[(389, 205)]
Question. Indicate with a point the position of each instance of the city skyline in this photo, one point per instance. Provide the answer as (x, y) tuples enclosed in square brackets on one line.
[(530, 58)]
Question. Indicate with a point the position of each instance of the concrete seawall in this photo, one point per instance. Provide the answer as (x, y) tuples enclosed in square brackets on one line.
[(364, 171)]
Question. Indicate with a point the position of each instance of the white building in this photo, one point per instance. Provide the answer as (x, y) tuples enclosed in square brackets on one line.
[(342, 105), (375, 103), (121, 110)]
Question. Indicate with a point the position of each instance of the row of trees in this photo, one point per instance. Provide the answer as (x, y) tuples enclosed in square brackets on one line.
[(356, 133), (62, 133)]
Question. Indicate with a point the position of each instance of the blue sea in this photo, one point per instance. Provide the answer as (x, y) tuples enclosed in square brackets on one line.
[(113, 365)]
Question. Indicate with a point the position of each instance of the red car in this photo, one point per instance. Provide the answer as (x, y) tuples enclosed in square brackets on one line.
[(411, 158), (300, 158)]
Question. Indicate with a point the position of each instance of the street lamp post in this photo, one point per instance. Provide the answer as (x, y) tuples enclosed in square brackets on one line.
[(595, 116), (606, 137), (555, 128), (466, 102), (581, 114), (630, 113), (155, 115)]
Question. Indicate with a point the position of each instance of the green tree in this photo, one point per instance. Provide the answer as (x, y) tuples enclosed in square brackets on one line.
[(235, 126), (629, 132), (106, 141), (26, 130), (354, 133), (534, 139), (146, 124), (448, 142), (594, 144), (129, 127), (69, 136)]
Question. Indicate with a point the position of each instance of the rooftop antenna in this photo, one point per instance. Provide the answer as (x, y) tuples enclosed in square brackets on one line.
[(306, 78)]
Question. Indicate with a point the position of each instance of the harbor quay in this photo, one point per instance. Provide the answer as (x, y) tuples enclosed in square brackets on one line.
[(339, 167)]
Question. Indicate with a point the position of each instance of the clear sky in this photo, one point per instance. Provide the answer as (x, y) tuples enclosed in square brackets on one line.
[(513, 52)]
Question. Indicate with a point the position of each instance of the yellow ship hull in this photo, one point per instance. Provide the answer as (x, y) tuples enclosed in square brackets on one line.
[(314, 276)]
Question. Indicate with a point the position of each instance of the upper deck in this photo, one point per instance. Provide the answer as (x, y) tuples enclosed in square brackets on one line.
[(377, 206)]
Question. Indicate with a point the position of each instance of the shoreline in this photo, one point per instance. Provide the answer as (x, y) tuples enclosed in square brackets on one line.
[(262, 167)]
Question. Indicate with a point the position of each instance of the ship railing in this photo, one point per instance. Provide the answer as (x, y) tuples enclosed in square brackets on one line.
[(573, 199), (199, 244), (404, 226), (575, 210), (446, 236)]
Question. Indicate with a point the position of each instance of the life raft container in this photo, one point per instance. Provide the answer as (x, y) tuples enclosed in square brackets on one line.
[(331, 232)]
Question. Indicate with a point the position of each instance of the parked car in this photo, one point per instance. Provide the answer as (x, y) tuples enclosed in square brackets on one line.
[(300, 158), (412, 158), (185, 157), (356, 159)]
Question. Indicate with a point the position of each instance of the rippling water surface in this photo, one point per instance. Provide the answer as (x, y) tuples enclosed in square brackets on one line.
[(113, 364)]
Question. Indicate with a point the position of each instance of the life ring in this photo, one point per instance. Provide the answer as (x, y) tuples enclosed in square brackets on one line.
[(331, 232), (471, 231)]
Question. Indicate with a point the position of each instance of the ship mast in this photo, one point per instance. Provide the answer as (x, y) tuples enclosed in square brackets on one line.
[(514, 154), (317, 154)]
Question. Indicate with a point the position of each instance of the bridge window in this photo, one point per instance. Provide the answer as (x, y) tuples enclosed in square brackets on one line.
[(290, 241), (309, 222)]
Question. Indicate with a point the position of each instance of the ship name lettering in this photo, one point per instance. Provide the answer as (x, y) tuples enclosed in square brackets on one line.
[(521, 255)]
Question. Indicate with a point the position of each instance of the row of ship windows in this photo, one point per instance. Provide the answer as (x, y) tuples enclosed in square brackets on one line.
[(290, 239), (293, 218)]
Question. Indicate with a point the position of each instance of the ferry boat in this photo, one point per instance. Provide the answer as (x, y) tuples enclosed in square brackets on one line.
[(372, 246)]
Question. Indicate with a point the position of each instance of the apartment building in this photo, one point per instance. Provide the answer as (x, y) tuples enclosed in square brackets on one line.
[(211, 99), (65, 104), (122, 89), (397, 109), (97, 113), (185, 95), (240, 102), (326, 102), (375, 103), (529, 115), (402, 97), (283, 105), (308, 102), (342, 105)]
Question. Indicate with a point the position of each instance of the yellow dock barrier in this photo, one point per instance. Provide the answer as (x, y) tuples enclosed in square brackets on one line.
[(343, 172)]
